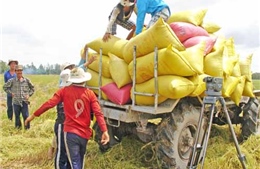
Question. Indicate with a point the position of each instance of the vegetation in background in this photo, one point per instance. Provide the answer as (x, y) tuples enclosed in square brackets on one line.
[(28, 149)]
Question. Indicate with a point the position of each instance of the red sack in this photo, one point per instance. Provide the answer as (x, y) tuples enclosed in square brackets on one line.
[(184, 30), (210, 42), (119, 96)]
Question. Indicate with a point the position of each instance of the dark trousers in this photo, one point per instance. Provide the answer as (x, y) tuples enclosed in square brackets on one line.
[(9, 108), (18, 109), (76, 149), (61, 158)]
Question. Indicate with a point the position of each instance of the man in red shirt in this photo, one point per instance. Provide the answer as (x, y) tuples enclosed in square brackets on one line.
[(79, 102)]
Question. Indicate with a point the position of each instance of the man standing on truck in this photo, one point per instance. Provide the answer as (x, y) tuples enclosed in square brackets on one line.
[(9, 74), (79, 102), (157, 8), (120, 15)]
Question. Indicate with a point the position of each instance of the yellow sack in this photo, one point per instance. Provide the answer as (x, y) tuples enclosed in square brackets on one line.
[(245, 67), (236, 70), (105, 65), (146, 87), (237, 94), (113, 45), (210, 27), (230, 47), (248, 89), (229, 62), (94, 82), (175, 87), (213, 63), (191, 16), (119, 71), (229, 85), (195, 56), (160, 35), (201, 85), (170, 62)]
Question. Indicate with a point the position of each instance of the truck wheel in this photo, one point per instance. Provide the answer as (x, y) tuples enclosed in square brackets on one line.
[(98, 134), (176, 135), (251, 113)]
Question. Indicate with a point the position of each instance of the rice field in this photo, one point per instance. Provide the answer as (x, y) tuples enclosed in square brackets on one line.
[(28, 149)]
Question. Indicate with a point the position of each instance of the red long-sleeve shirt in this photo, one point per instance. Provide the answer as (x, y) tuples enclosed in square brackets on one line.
[(79, 102)]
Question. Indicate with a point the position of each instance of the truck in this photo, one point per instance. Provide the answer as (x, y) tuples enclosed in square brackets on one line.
[(172, 124)]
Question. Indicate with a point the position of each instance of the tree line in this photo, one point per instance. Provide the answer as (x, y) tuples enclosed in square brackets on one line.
[(32, 69), (55, 69)]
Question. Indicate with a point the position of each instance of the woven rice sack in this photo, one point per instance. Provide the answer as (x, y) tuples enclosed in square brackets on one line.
[(184, 30), (119, 70), (94, 82), (195, 56), (146, 87), (245, 67), (230, 46), (191, 16), (229, 62), (210, 27), (105, 65), (248, 89), (236, 70), (200, 86), (114, 45), (170, 62), (175, 87), (159, 35), (237, 94), (213, 63), (229, 85), (209, 40)]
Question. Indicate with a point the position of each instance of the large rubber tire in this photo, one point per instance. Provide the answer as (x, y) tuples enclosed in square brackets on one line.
[(98, 134), (251, 113), (176, 136)]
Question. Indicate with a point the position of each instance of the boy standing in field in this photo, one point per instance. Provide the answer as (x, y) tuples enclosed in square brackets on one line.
[(9, 74), (79, 102), (20, 88)]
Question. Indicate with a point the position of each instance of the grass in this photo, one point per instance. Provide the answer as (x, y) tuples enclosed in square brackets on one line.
[(28, 149), (256, 84)]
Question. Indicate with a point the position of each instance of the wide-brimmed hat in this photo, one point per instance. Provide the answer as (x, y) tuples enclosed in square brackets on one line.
[(64, 77), (127, 2), (78, 75), (12, 60), (66, 65), (19, 67)]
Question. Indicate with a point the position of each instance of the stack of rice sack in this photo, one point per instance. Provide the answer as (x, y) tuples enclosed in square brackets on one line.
[(188, 51)]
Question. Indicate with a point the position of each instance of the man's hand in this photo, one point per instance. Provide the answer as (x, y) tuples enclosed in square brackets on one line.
[(30, 118), (105, 138), (106, 37)]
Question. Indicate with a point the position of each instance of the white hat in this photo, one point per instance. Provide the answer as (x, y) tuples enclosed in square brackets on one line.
[(78, 75), (12, 60), (65, 65), (64, 77), (127, 2)]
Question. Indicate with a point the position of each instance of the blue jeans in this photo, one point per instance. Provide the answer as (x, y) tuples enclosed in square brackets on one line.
[(18, 109), (76, 149), (61, 159), (9, 108)]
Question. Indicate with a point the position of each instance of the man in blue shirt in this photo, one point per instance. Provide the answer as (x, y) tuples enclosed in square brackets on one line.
[(8, 75), (157, 9)]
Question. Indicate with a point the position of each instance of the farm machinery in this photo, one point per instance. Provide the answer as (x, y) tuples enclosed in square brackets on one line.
[(173, 124)]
